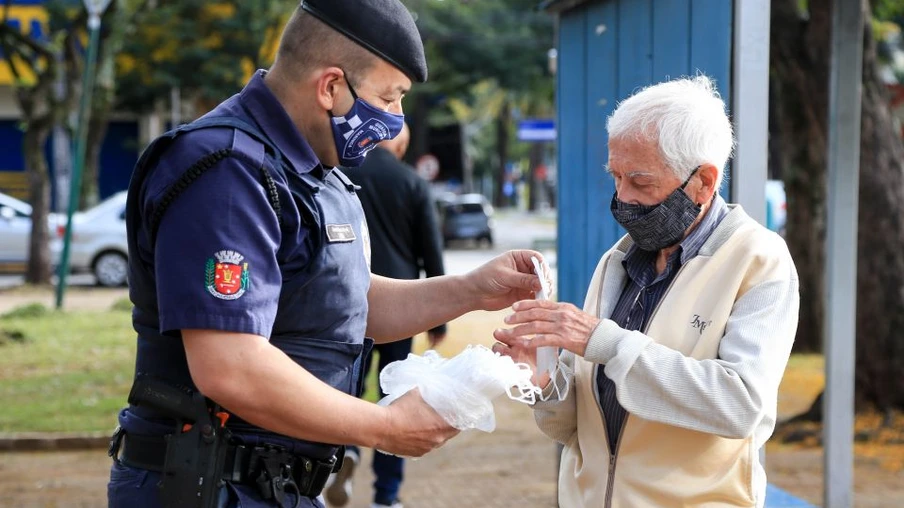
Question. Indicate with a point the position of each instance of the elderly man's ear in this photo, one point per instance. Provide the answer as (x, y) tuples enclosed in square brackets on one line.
[(702, 188)]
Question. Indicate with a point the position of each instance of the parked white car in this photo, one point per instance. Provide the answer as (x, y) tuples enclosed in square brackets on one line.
[(15, 232), (99, 244)]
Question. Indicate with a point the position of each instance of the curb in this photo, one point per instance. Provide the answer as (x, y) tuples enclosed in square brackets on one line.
[(51, 441)]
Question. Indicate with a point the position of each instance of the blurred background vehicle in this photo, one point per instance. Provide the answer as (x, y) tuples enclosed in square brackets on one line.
[(776, 206), (467, 217), (15, 232), (99, 244)]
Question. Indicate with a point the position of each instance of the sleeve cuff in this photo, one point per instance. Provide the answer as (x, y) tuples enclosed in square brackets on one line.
[(235, 323), (610, 342)]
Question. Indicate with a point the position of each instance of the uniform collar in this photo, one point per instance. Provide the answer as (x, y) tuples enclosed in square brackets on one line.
[(271, 117)]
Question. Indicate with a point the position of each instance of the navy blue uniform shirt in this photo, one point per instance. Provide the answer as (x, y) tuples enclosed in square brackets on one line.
[(224, 260)]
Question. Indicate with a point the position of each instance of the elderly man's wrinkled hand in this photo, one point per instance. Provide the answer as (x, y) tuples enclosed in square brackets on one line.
[(545, 323)]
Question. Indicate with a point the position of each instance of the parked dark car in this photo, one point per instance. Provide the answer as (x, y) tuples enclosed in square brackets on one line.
[(467, 217)]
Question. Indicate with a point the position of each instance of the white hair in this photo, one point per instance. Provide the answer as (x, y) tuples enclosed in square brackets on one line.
[(687, 119)]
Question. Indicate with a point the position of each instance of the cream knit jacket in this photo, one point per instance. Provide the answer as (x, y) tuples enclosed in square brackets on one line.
[(700, 383)]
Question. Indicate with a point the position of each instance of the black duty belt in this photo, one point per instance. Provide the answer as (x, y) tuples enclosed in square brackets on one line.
[(265, 466)]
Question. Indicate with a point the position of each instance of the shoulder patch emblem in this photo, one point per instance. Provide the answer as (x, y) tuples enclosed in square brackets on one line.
[(227, 277)]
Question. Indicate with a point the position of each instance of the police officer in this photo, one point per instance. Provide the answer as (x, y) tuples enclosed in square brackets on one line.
[(249, 278)]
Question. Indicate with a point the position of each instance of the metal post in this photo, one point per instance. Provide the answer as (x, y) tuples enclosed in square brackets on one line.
[(95, 9), (751, 106), (845, 83)]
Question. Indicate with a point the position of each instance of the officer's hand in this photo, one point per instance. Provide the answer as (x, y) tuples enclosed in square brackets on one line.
[(505, 279), (415, 428)]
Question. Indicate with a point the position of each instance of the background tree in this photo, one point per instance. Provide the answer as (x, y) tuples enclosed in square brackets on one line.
[(201, 51), (470, 43), (801, 45), (120, 23), (205, 49), (36, 64)]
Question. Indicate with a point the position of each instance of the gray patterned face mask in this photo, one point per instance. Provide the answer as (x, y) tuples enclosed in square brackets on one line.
[(655, 227)]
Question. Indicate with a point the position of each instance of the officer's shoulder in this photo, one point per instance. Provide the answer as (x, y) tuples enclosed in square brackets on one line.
[(206, 148), (190, 146)]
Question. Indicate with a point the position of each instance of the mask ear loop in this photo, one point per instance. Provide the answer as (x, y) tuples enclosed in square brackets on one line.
[(350, 89), (688, 180), (561, 392), (559, 389)]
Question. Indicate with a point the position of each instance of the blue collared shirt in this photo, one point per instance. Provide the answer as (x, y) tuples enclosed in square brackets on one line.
[(641, 295)]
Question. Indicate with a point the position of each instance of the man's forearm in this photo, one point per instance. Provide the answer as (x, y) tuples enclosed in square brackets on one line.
[(260, 384), (403, 308)]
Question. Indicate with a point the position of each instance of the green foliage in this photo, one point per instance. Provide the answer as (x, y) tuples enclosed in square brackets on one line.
[(72, 374), (888, 9), (207, 49), (484, 55), (469, 42)]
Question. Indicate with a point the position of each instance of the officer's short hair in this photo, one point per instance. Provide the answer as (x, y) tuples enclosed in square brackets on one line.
[(308, 44)]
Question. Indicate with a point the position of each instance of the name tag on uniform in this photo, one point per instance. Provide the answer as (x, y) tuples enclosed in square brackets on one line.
[(340, 233)]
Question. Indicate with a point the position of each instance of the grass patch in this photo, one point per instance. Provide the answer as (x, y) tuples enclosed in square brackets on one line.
[(70, 372), (29, 311), (122, 305)]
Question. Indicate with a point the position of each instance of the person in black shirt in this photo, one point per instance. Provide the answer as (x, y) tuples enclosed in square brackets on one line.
[(405, 240)]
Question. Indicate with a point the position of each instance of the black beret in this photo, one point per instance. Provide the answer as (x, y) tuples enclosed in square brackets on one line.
[(385, 27)]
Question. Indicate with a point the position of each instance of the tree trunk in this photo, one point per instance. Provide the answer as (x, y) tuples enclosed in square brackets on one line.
[(800, 64), (880, 266), (38, 270), (97, 131), (502, 144)]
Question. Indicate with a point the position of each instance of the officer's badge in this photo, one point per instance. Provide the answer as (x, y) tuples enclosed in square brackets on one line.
[(227, 277)]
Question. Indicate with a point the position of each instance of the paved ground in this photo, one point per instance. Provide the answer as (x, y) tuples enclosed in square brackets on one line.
[(512, 467)]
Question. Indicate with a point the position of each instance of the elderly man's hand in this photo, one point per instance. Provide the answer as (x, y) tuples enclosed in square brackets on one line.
[(550, 324)]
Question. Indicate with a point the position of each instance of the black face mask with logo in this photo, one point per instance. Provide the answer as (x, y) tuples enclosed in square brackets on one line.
[(655, 227)]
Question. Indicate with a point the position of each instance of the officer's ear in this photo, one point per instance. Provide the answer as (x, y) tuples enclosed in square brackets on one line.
[(332, 91)]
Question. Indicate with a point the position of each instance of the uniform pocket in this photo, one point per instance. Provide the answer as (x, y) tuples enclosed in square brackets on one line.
[(334, 363)]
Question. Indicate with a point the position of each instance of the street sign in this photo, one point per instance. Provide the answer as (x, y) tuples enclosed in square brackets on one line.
[(427, 166), (537, 130)]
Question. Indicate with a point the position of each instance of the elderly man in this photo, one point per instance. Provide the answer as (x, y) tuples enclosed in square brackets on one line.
[(674, 363)]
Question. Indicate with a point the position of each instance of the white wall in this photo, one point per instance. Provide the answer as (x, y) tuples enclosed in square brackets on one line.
[(8, 107)]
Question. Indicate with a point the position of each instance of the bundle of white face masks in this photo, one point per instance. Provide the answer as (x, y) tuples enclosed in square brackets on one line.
[(462, 388)]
